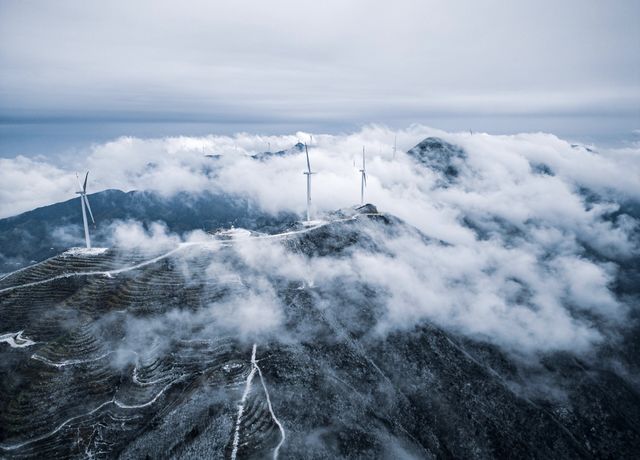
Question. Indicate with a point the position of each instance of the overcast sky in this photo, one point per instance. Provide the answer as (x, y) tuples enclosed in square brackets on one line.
[(570, 67)]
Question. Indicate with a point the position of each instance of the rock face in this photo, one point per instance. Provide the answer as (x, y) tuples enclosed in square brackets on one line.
[(440, 156), (133, 358), (297, 148)]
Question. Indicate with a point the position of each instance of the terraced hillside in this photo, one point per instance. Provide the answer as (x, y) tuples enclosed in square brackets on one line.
[(195, 352), (44, 232)]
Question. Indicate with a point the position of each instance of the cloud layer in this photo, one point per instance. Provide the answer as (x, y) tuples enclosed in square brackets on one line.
[(524, 244)]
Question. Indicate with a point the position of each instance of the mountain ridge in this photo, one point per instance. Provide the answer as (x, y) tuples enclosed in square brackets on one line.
[(143, 342)]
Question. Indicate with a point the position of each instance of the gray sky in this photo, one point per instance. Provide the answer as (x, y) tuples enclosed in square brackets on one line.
[(570, 67)]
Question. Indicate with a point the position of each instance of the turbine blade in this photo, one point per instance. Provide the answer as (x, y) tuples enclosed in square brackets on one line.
[(308, 163), (363, 161), (84, 186), (86, 200), (79, 183), (364, 176)]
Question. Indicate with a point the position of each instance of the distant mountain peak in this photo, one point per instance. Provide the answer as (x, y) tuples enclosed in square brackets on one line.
[(297, 148), (440, 156)]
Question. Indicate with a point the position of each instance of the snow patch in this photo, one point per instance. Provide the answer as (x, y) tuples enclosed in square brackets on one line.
[(313, 223), (15, 340), (85, 251), (247, 389), (232, 233)]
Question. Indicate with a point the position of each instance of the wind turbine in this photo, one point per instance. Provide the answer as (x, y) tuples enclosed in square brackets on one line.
[(395, 143), (308, 174), (84, 200), (363, 178)]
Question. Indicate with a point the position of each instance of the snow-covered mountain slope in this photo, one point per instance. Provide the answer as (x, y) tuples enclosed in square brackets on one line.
[(282, 345)]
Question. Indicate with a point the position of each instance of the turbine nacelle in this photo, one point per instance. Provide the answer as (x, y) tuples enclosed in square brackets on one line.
[(364, 176)]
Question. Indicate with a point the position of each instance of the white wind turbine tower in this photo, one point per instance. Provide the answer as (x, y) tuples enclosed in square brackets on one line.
[(84, 200), (395, 143), (308, 174), (363, 178)]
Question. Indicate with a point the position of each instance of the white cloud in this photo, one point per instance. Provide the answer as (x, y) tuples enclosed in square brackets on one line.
[(130, 235), (29, 183), (529, 256)]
